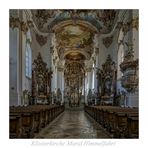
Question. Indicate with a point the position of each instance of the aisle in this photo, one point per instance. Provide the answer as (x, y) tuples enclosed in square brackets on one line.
[(75, 125)]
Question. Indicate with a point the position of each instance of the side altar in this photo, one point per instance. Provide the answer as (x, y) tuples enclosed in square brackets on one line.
[(41, 82)]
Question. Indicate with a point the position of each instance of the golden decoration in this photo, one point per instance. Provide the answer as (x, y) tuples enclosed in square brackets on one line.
[(135, 23), (14, 22), (24, 27)]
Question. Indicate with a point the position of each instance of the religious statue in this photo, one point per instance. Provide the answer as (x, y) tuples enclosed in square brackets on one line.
[(41, 87), (107, 87)]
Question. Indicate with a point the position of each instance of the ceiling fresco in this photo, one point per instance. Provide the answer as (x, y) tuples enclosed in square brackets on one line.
[(74, 30), (102, 20), (74, 37), (74, 56)]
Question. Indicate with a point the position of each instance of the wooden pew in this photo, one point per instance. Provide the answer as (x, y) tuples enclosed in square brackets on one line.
[(15, 126), (122, 121), (115, 120), (26, 120), (133, 127)]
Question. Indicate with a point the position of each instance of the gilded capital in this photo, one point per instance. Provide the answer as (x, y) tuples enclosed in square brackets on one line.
[(14, 22), (60, 68), (96, 50), (135, 23), (24, 27), (30, 24), (126, 27), (88, 69)]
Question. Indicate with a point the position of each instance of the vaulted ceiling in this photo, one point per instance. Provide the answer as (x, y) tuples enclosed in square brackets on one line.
[(75, 29), (101, 20)]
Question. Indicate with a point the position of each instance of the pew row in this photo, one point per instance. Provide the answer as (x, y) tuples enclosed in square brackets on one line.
[(120, 122), (25, 121)]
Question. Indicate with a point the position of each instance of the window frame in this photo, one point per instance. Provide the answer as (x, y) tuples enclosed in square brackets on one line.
[(28, 61)]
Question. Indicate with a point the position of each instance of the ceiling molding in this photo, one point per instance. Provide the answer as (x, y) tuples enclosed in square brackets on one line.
[(62, 24)]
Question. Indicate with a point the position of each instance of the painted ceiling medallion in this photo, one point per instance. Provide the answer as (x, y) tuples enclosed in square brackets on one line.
[(41, 39), (108, 41)]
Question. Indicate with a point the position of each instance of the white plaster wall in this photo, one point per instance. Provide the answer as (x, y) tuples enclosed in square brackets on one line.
[(13, 45), (44, 50), (103, 51)]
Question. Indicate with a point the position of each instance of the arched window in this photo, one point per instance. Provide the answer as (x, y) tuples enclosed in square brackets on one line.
[(120, 54), (120, 60), (93, 77), (28, 59)]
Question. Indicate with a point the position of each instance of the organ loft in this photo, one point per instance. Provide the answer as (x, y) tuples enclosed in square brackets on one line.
[(71, 70)]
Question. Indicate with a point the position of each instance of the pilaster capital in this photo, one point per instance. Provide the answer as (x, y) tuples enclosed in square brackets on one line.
[(14, 22), (17, 23), (60, 69), (88, 69)]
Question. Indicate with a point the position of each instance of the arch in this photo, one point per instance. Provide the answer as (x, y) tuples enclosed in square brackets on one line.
[(82, 23), (85, 54)]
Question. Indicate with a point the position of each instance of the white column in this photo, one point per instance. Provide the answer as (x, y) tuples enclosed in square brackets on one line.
[(54, 82), (56, 77), (60, 81), (53, 75), (86, 87), (88, 82), (95, 80), (90, 79), (62, 87)]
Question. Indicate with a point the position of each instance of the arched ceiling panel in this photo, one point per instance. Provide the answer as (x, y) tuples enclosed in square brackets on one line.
[(102, 20)]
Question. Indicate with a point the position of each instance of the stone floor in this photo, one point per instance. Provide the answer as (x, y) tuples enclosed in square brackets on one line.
[(73, 125)]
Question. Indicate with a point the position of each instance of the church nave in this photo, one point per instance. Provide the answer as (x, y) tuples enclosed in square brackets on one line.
[(73, 125), (74, 73)]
